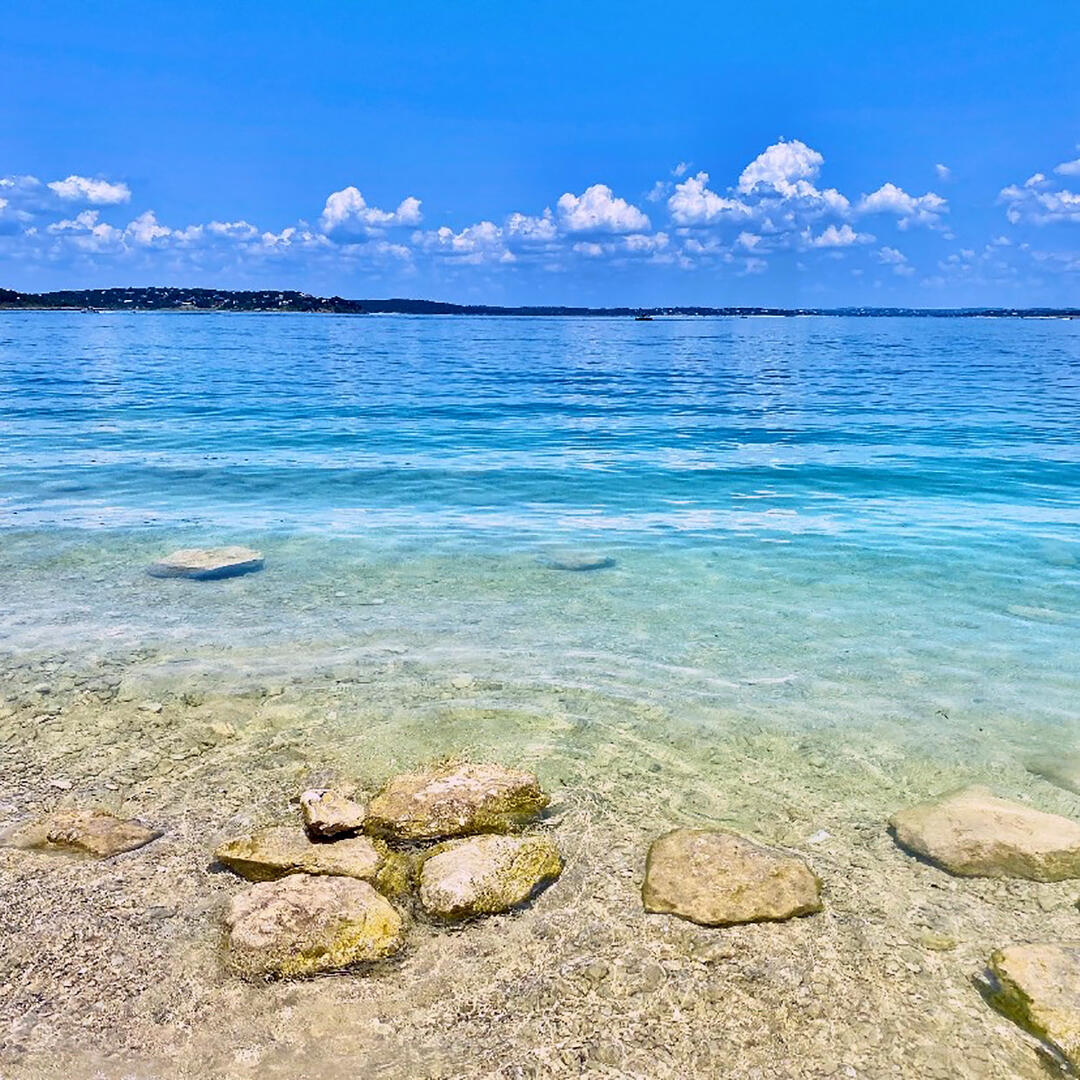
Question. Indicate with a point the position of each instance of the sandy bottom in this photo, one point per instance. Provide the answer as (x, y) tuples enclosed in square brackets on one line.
[(115, 969)]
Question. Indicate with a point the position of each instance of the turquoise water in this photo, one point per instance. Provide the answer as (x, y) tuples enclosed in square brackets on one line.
[(853, 518)]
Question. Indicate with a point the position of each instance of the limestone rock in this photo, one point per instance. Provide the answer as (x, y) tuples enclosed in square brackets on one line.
[(455, 801), (483, 875), (279, 850), (577, 560), (718, 878), (1038, 987), (208, 563), (88, 832), (1060, 769), (328, 814), (305, 925), (972, 833)]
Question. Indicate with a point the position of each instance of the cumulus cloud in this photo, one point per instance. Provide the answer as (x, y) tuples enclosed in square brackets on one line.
[(347, 212), (87, 190), (833, 237), (1037, 201), (598, 209), (474, 244), (909, 209), (694, 204), (1068, 168), (780, 167), (890, 256)]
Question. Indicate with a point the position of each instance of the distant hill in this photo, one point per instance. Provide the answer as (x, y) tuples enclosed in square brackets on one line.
[(270, 300)]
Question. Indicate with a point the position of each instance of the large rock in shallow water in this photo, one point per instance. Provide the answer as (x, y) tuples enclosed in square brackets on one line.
[(484, 875), (85, 832), (1038, 987), (455, 801), (305, 925), (206, 564), (328, 814), (718, 878), (279, 850), (577, 560), (972, 833)]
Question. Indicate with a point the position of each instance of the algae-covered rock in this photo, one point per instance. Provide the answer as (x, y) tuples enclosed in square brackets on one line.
[(302, 925), (483, 875), (1060, 769), (455, 801), (274, 852), (85, 832), (972, 833), (1038, 987), (205, 564), (718, 878), (328, 814)]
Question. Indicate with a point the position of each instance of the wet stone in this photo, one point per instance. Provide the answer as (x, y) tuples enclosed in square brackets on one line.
[(455, 801), (1062, 770), (302, 925), (329, 814), (484, 875), (96, 833), (205, 564), (577, 561), (972, 833), (1038, 987), (279, 850), (718, 878)]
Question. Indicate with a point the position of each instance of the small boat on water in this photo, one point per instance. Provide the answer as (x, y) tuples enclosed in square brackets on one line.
[(643, 318)]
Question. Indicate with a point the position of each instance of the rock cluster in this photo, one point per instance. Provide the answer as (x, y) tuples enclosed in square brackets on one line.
[(323, 896)]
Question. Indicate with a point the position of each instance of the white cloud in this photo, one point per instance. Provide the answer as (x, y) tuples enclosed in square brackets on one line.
[(780, 167), (895, 258), (597, 209), (87, 190), (833, 237), (474, 244), (943, 171), (681, 169), (694, 204), (527, 231), (146, 230), (909, 209), (1068, 168), (348, 212)]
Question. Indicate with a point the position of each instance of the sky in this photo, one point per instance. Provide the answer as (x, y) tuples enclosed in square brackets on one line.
[(784, 154)]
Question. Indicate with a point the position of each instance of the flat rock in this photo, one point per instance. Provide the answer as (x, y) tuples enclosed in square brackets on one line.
[(1060, 769), (302, 925), (1038, 987), (483, 875), (279, 850), (972, 833), (87, 832), (719, 878), (577, 560), (329, 814), (455, 801), (205, 564)]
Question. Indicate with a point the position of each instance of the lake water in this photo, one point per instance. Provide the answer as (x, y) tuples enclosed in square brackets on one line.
[(846, 561)]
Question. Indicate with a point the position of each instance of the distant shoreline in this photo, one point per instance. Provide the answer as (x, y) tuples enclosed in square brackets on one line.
[(290, 302)]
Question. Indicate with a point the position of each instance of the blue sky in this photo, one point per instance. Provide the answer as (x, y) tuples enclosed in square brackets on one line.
[(601, 153)]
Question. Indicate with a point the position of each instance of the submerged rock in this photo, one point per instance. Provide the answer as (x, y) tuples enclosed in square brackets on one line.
[(88, 832), (328, 814), (972, 833), (274, 852), (718, 878), (305, 925), (1060, 769), (483, 875), (577, 560), (454, 801), (1038, 987), (205, 564)]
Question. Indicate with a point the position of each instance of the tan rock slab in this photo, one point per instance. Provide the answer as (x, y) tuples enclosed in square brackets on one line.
[(718, 878), (1038, 987), (972, 833), (205, 564), (302, 925), (577, 561), (87, 832), (483, 875), (329, 814), (455, 801), (279, 850)]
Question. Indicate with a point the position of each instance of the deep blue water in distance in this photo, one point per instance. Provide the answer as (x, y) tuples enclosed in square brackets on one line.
[(884, 513)]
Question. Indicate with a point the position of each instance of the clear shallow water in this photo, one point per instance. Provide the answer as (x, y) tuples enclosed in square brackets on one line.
[(815, 520)]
